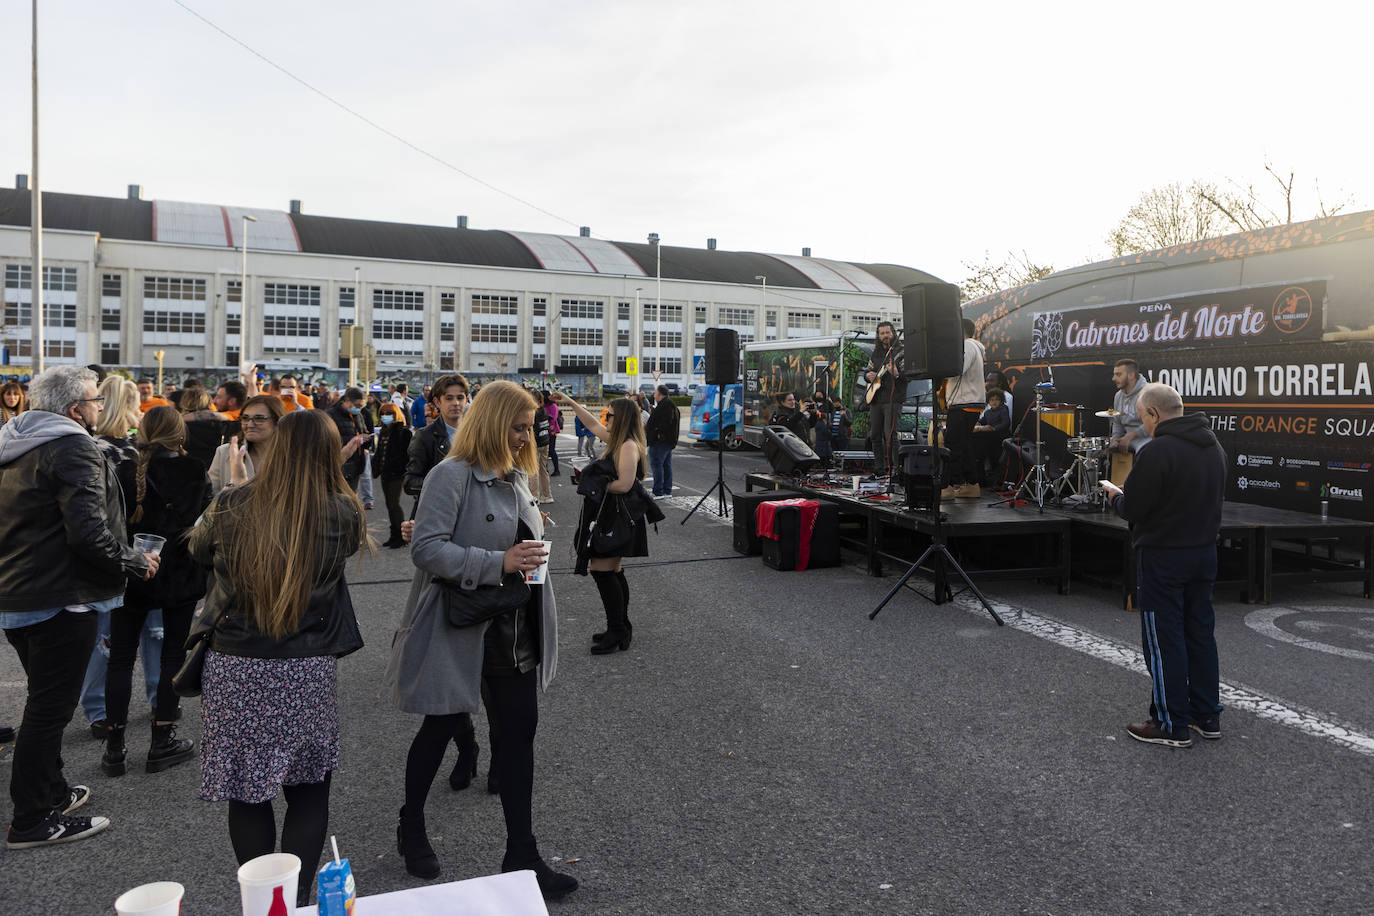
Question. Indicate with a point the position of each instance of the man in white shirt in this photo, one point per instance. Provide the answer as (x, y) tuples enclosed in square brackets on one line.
[(965, 399)]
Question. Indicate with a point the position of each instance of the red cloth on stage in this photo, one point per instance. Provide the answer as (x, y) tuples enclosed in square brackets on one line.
[(810, 511)]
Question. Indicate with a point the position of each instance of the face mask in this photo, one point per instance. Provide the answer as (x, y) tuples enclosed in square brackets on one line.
[(388, 419), (355, 410)]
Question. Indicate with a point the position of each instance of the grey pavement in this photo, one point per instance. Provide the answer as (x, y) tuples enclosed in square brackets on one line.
[(765, 748)]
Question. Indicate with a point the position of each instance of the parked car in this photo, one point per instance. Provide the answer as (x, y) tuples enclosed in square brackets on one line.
[(614, 390), (673, 388)]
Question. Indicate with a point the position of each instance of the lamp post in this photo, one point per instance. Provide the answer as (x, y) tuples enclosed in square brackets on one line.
[(763, 302), (36, 229), (244, 325), (658, 303), (639, 335)]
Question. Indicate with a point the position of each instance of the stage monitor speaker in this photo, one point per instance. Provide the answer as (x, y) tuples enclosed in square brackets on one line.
[(722, 356), (921, 472), (786, 452), (933, 330)]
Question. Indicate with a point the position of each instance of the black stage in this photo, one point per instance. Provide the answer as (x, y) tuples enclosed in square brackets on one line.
[(1262, 545)]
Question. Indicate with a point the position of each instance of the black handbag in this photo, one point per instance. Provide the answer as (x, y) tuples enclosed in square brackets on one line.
[(612, 536), (465, 607), (186, 682)]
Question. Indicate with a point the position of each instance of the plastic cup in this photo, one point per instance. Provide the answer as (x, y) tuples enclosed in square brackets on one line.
[(539, 574), (149, 543), (161, 898), (855, 479), (268, 883)]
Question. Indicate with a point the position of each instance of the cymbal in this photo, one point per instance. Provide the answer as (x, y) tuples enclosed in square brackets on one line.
[(1108, 413)]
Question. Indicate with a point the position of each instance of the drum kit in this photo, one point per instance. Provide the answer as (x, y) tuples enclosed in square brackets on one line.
[(1091, 457)]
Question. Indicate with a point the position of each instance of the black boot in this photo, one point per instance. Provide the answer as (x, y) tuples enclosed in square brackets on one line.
[(413, 845), (617, 634), (525, 855), (466, 767), (112, 762), (167, 749), (395, 539), (625, 591)]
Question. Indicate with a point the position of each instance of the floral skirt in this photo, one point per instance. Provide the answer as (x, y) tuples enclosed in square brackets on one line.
[(268, 722)]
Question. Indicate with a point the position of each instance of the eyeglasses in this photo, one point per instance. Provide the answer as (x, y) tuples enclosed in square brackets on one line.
[(255, 419), (89, 401)]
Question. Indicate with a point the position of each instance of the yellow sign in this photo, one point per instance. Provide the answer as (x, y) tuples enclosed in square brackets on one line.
[(632, 365)]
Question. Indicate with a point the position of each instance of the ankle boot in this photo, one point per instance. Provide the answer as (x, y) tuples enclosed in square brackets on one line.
[(413, 845), (112, 762), (524, 854), (466, 767), (167, 750), (395, 539)]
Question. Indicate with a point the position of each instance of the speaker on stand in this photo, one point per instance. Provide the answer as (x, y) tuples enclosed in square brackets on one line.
[(722, 368)]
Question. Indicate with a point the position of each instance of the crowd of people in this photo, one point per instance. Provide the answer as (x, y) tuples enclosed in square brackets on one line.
[(127, 534)]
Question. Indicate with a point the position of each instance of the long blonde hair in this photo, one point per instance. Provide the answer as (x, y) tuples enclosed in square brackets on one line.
[(5, 412), (483, 436), (121, 413), (627, 426), (277, 551), (160, 430)]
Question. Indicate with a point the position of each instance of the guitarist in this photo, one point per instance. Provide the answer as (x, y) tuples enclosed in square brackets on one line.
[(886, 394)]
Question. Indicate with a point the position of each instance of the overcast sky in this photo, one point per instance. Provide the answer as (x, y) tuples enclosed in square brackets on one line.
[(903, 132)]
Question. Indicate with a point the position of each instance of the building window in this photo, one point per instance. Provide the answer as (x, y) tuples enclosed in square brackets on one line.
[(494, 333), (582, 308), (291, 294), (411, 300), (160, 322), (398, 330), (109, 354), (175, 288), (54, 316), (111, 285), (109, 319), (665, 340), (581, 337), (699, 338), (732, 317), (233, 291), (55, 279), (667, 366), (539, 307), (622, 311), (495, 305), (865, 323), (231, 356), (290, 326)]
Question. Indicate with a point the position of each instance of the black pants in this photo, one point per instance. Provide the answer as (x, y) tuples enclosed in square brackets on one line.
[(391, 489), (962, 466), (882, 431), (126, 625), (54, 655), (513, 706), (553, 451), (987, 450)]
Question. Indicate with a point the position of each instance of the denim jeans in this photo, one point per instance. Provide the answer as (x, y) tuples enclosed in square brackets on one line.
[(365, 481), (53, 654), (149, 649), (661, 465)]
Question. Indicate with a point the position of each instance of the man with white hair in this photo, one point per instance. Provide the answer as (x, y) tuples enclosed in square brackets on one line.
[(62, 540), (1172, 499)]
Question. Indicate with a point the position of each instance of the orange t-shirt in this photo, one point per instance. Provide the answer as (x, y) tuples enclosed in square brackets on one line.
[(302, 399), (231, 415), (154, 401)]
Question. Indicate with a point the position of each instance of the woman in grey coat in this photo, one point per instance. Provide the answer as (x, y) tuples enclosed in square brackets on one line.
[(476, 522)]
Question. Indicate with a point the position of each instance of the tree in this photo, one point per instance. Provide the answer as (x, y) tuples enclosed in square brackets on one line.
[(987, 278)]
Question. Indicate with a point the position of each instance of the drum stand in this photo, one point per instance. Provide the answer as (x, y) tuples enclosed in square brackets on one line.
[(1036, 483)]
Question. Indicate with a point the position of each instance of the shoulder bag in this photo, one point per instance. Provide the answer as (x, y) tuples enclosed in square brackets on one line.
[(186, 682), (466, 607)]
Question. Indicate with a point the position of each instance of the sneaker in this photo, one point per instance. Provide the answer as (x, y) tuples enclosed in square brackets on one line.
[(76, 797), (970, 491), (950, 492), (367, 505), (1154, 733), (100, 729), (1209, 728), (58, 828)]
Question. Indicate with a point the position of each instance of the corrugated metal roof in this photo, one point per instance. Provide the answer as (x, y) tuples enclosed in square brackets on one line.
[(272, 232), (115, 217), (578, 254), (180, 223), (404, 242), (836, 275)]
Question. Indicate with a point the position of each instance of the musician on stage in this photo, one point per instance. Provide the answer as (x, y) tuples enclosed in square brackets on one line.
[(966, 398), (884, 370), (1128, 433)]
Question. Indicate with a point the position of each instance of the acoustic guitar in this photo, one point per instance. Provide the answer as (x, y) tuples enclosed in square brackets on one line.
[(883, 373)]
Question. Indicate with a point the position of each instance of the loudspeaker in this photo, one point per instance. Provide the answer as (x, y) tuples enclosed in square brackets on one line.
[(787, 453), (921, 467), (783, 551), (933, 330), (722, 356), (746, 539)]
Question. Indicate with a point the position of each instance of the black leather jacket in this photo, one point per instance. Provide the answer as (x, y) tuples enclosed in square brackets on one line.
[(427, 448), (62, 539), (175, 493), (349, 426), (327, 627), (665, 422)]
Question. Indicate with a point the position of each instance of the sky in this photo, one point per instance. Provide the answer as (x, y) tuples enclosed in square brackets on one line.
[(929, 135)]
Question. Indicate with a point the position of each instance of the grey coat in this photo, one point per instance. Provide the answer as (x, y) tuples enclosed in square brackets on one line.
[(466, 521)]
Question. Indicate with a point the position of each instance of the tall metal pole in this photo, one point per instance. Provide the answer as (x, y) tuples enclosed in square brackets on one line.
[(36, 229), (244, 325), (658, 303), (763, 303)]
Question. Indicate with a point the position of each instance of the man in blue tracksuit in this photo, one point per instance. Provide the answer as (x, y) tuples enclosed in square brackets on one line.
[(1172, 499)]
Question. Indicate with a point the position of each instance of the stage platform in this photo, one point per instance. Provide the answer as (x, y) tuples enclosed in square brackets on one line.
[(1263, 545)]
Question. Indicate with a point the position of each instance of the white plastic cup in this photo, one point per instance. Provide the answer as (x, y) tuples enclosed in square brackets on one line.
[(264, 879), (856, 479), (149, 543), (539, 574), (161, 898)]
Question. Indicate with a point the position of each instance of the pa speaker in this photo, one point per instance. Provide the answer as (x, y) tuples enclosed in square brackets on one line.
[(787, 453), (934, 332), (722, 356)]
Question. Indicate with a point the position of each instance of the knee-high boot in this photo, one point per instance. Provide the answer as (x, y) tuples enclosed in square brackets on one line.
[(613, 599), (625, 591)]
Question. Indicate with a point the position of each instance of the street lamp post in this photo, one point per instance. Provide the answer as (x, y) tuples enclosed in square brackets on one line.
[(658, 304), (638, 335), (36, 229), (244, 325), (763, 303)]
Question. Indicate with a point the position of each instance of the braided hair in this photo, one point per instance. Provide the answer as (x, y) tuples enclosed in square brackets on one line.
[(160, 430)]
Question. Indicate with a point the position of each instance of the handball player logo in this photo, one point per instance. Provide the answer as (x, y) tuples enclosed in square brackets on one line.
[(1242, 461), (1292, 310)]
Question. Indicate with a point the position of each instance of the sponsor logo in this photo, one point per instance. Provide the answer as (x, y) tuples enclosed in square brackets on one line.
[(1247, 483), (1354, 494), (1299, 463), (1292, 310), (1348, 465), (1254, 461), (1302, 485)]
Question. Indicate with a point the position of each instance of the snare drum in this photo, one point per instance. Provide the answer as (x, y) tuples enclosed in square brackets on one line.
[(1089, 444)]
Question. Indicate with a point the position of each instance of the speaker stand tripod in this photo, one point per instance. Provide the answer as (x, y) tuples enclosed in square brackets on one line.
[(944, 561), (720, 487)]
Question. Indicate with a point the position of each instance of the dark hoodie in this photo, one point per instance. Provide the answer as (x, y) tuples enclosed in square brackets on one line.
[(1174, 492)]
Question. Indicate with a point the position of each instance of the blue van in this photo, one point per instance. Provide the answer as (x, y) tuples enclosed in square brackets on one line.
[(705, 425)]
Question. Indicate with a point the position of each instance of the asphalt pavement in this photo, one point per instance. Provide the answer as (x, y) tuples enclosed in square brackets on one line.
[(764, 748)]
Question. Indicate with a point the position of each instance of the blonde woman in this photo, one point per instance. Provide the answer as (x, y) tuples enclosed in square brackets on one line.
[(611, 490), (279, 616), (476, 524), (12, 401)]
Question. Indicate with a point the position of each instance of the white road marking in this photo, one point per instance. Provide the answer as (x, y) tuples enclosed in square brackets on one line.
[(1265, 621), (1236, 697)]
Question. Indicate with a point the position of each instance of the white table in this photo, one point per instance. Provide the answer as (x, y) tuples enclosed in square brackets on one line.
[(512, 894)]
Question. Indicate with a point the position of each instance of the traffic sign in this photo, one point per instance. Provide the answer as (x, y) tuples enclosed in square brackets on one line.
[(632, 365), (699, 365)]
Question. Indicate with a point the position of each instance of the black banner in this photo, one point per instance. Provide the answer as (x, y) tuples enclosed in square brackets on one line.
[(1255, 315)]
